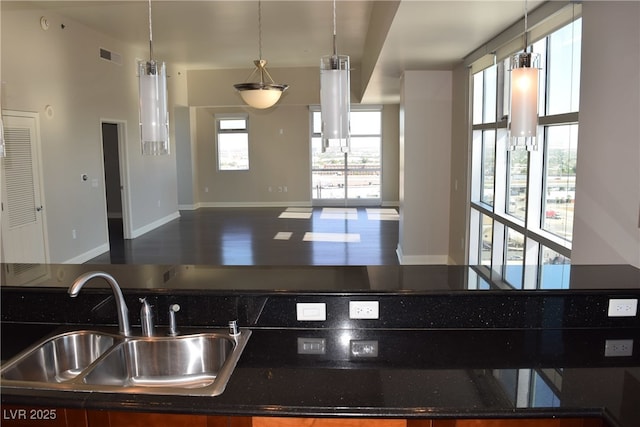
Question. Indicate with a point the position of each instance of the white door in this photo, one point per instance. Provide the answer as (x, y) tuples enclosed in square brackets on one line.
[(23, 226)]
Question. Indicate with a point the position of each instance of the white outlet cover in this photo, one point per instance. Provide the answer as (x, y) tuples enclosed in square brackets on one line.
[(623, 307), (364, 310)]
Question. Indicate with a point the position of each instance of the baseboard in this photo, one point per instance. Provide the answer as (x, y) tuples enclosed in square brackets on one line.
[(82, 258), (404, 259), (189, 207), (282, 204), (153, 225)]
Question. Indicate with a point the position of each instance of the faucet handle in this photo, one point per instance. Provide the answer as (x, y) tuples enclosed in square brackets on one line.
[(233, 328), (173, 309), (146, 318)]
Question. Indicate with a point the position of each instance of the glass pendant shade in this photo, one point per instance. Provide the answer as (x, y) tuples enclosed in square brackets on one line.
[(523, 117), (335, 101), (154, 116), (260, 96)]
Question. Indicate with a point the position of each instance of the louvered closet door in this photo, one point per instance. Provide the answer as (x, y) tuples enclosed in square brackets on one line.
[(23, 237)]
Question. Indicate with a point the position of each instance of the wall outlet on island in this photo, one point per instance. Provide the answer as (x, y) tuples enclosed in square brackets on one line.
[(623, 307), (364, 310)]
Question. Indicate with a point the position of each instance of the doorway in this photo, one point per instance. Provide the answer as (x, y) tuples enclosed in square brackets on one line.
[(115, 183), (23, 224)]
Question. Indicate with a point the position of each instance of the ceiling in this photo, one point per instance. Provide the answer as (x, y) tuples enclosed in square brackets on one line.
[(382, 38)]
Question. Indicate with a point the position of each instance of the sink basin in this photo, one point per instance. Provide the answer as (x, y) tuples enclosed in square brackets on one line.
[(60, 358), (195, 364), (191, 361)]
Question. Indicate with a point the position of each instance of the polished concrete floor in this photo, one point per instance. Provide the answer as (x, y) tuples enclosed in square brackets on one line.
[(263, 236)]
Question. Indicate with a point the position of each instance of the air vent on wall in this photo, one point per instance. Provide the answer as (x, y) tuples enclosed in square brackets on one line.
[(114, 57)]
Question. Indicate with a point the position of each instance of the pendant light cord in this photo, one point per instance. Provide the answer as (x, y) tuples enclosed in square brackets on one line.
[(335, 48), (150, 34), (526, 26), (259, 30)]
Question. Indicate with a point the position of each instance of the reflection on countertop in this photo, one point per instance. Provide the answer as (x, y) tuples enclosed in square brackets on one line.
[(417, 278)]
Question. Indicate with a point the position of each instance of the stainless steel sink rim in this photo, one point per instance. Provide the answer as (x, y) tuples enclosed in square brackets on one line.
[(197, 384)]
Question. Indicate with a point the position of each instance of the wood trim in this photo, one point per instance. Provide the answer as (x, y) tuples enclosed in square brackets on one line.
[(327, 422)]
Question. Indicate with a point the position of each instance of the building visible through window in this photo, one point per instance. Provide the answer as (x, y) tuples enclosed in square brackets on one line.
[(522, 203)]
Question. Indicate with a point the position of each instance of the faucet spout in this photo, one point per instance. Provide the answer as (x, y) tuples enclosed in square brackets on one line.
[(123, 311)]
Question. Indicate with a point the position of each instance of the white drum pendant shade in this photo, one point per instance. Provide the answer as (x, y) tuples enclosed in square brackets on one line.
[(335, 102), (154, 116), (523, 116)]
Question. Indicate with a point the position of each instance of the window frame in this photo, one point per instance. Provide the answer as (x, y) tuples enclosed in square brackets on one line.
[(235, 131), (531, 224), (313, 134)]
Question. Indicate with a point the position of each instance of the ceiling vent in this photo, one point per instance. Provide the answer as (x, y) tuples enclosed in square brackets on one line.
[(114, 57)]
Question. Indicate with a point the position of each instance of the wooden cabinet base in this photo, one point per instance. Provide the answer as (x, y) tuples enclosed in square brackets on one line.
[(26, 416), (326, 422), (141, 419)]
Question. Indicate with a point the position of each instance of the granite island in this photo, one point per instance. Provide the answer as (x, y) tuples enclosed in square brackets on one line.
[(450, 347)]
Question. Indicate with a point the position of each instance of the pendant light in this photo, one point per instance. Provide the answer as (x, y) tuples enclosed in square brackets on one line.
[(154, 116), (523, 118), (262, 94), (335, 98)]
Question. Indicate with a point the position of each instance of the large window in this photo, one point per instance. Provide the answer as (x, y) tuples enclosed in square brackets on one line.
[(232, 140), (353, 176), (521, 217)]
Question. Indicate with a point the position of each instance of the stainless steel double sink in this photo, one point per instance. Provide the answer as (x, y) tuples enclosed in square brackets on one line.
[(87, 360)]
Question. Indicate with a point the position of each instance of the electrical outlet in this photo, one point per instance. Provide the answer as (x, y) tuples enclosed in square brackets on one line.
[(364, 310), (627, 307), (618, 348)]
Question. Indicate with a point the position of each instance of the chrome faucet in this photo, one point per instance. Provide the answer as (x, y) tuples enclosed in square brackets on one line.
[(123, 312)]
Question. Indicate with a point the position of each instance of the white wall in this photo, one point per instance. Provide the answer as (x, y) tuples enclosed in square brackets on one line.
[(279, 146), (460, 154), (61, 67), (607, 216), (425, 150)]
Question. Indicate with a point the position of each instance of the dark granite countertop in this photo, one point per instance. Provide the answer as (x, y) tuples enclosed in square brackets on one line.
[(439, 352), (414, 374)]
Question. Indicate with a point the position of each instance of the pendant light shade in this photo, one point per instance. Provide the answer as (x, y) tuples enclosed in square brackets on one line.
[(523, 116), (523, 120), (335, 102), (264, 93), (154, 117), (335, 98), (260, 94), (153, 108)]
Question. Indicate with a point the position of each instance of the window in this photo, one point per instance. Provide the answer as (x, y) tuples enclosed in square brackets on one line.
[(232, 137), (353, 176), (521, 207)]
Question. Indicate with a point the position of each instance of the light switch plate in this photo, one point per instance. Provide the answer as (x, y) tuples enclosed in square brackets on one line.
[(315, 311)]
